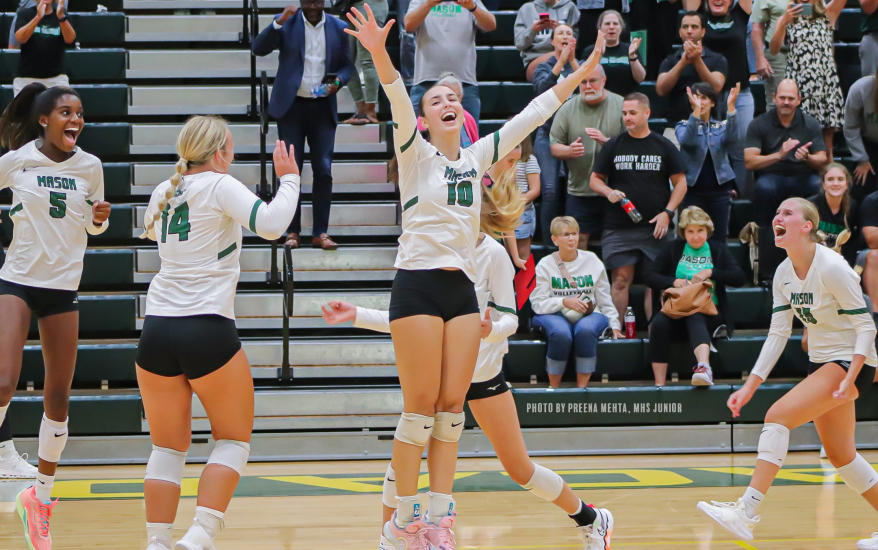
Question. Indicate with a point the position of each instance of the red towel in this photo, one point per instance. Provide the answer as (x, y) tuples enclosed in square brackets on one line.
[(525, 282)]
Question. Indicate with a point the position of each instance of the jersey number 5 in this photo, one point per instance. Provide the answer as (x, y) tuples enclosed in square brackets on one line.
[(59, 208), (179, 223), (805, 315), (460, 193)]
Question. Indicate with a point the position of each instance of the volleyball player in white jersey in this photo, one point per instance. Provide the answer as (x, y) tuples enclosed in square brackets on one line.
[(434, 317), (488, 395), (816, 285), (189, 340), (57, 200)]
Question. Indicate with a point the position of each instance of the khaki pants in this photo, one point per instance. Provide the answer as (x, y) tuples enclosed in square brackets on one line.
[(778, 64), (19, 83)]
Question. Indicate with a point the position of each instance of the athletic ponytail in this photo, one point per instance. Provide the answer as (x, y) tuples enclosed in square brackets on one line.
[(198, 142), (20, 122), (502, 204)]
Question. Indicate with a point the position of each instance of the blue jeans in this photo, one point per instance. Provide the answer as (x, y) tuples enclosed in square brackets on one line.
[(718, 206), (406, 44), (563, 335), (550, 167), (751, 55), (772, 189), (471, 102), (745, 106)]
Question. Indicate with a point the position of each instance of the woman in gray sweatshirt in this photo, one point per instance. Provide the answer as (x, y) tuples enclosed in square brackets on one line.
[(533, 36)]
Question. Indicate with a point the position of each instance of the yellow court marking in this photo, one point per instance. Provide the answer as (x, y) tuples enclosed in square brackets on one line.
[(641, 477), (371, 484), (741, 544), (745, 546)]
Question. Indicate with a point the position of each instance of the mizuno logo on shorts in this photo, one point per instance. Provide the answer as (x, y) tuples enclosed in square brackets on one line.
[(492, 388)]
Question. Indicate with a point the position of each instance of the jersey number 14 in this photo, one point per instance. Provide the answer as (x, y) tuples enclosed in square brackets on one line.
[(179, 223), (805, 315)]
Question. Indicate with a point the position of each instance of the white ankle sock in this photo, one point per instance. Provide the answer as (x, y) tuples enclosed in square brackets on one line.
[(408, 509), (439, 507), (752, 499), (44, 487), (209, 520), (160, 533), (705, 365)]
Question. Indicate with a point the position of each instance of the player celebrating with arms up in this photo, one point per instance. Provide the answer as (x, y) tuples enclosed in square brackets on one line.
[(434, 311), (57, 201), (816, 285)]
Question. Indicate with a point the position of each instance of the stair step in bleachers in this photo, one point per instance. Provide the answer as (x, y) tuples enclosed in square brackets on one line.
[(188, 28), (104, 28), (355, 218), (133, 5), (86, 65), (255, 264), (160, 139)]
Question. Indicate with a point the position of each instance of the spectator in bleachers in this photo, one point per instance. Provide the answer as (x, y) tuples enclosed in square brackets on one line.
[(784, 146), (446, 42), (406, 44), (547, 74), (771, 67), (365, 94), (44, 32), (693, 63), (315, 61), (13, 43), (867, 259), (838, 211), (592, 11), (621, 62), (861, 132), (869, 43), (660, 18), (635, 166), (726, 34), (581, 127), (693, 258), (572, 304), (527, 177), (811, 61), (705, 144), (535, 35)]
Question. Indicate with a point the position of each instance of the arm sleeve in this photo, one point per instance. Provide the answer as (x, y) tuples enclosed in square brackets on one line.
[(853, 121), (667, 64), (541, 299), (817, 143), (21, 18), (524, 35), (494, 147), (347, 61), (687, 132), (95, 194), (753, 138), (151, 209), (267, 41), (544, 78), (605, 300), (269, 221), (372, 319), (845, 288), (869, 212), (502, 298), (407, 141), (778, 334), (732, 135), (603, 163), (8, 167)]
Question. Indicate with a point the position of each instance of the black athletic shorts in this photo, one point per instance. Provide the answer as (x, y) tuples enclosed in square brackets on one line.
[(488, 388), (193, 346), (435, 292), (42, 301), (864, 380)]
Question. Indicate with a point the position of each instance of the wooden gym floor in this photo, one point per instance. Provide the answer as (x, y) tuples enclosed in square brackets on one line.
[(337, 506)]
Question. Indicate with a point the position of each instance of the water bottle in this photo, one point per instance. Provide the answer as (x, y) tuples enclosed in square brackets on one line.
[(630, 323), (631, 210), (320, 91)]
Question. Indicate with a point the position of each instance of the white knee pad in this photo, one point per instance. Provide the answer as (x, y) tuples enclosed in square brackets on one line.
[(166, 465), (231, 454), (449, 426), (414, 429), (545, 484), (53, 439), (859, 475), (388, 492), (774, 443)]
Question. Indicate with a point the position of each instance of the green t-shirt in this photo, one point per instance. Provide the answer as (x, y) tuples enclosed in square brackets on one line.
[(694, 261), (570, 123), (768, 12)]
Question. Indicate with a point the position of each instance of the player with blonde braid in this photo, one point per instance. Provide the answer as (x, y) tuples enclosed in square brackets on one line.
[(189, 341)]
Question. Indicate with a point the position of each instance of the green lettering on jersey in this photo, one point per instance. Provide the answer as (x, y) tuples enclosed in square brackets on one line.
[(805, 315), (41, 181), (802, 299), (59, 208)]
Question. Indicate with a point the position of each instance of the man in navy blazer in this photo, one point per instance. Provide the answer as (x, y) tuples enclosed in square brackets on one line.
[(314, 51)]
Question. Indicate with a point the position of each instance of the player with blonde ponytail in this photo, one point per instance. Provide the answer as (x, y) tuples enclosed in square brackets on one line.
[(434, 311), (189, 341)]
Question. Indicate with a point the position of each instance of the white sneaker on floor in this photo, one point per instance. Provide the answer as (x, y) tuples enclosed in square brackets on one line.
[(385, 544), (154, 545), (15, 466), (195, 539), (597, 535), (731, 516), (703, 376), (869, 544)]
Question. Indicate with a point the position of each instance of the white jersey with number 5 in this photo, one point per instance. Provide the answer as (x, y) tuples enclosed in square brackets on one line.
[(441, 198), (200, 241), (52, 214), (830, 304)]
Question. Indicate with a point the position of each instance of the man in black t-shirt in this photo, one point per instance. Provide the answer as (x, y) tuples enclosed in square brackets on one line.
[(44, 33), (867, 259), (636, 165), (694, 63)]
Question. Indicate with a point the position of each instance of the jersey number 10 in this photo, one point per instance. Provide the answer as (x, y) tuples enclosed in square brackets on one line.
[(461, 193), (179, 222)]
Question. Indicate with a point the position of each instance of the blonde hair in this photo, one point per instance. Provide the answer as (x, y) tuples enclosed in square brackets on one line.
[(810, 214), (694, 216), (502, 204), (562, 222), (199, 140)]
